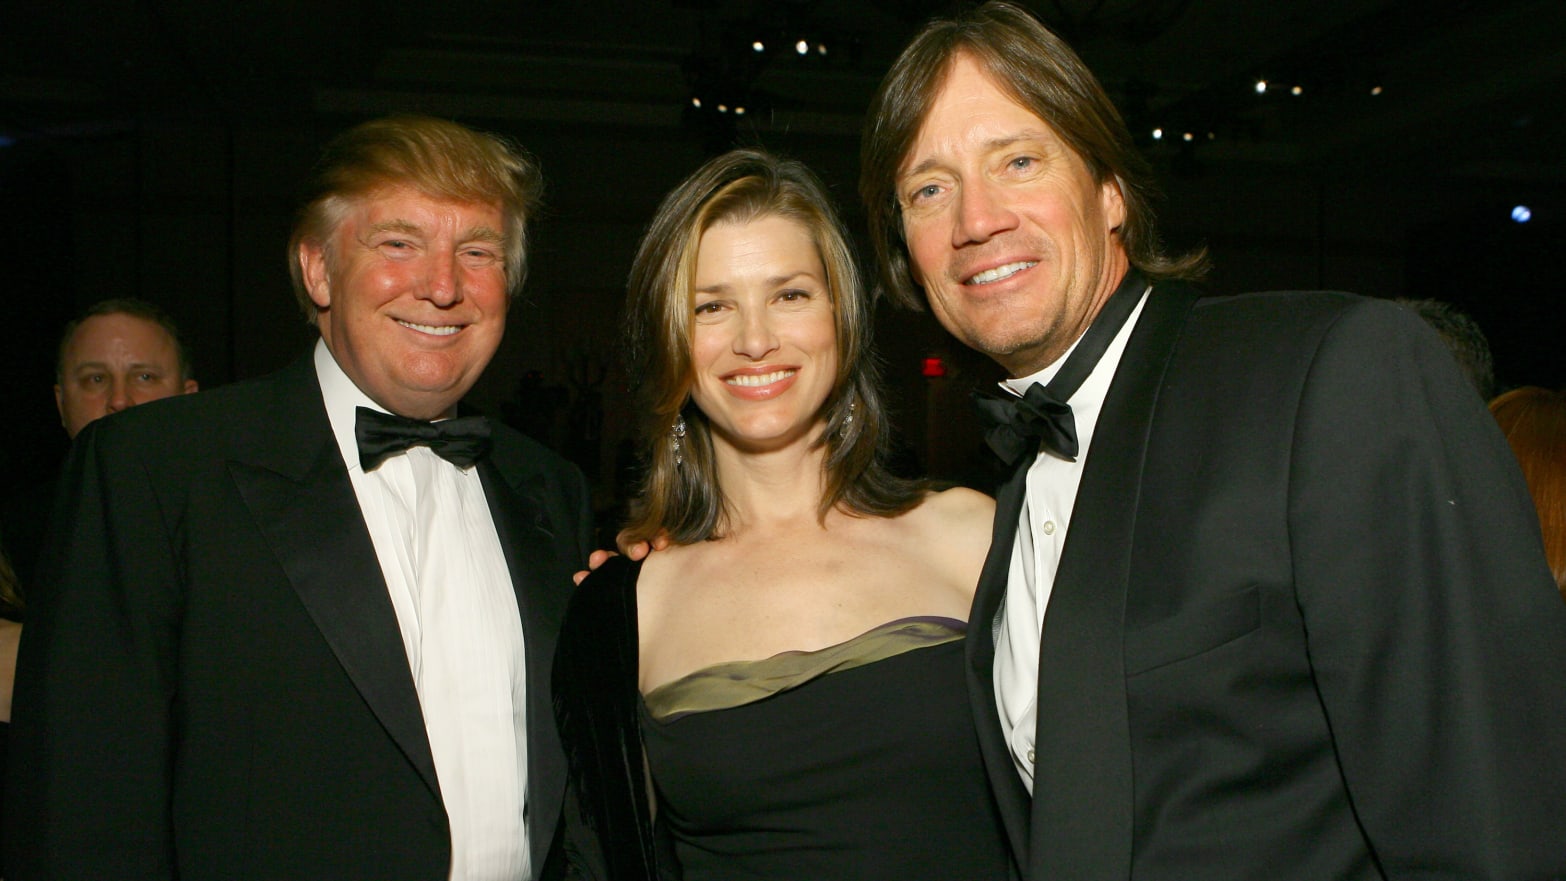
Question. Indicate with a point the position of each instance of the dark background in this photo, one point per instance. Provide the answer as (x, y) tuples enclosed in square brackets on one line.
[(151, 148)]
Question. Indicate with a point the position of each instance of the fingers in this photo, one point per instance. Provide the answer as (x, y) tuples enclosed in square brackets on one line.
[(594, 560)]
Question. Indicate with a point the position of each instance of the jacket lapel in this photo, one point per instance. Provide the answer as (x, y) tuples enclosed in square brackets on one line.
[(1010, 795), (296, 487), (1083, 790), (531, 551)]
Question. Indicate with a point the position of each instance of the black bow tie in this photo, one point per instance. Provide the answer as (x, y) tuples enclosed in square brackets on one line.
[(459, 441), (1018, 426)]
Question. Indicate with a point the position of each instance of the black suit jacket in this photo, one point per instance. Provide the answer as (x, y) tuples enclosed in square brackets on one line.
[(1302, 627), (215, 687)]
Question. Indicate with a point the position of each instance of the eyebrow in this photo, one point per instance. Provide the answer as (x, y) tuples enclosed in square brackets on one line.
[(774, 281), (396, 226), (484, 234), (104, 365), (476, 234), (989, 146)]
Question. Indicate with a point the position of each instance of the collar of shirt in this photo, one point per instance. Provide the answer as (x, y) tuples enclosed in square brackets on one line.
[(1103, 370), (342, 397)]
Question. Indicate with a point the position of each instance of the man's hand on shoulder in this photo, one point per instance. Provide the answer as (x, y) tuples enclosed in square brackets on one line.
[(635, 550)]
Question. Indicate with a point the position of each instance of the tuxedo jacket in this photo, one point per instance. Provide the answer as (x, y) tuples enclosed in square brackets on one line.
[(215, 686), (1302, 626)]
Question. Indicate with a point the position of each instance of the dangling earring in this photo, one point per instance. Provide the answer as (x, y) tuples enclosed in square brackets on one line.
[(676, 434), (848, 420)]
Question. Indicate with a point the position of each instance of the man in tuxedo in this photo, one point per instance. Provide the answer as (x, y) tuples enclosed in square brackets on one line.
[(301, 627), (1265, 599)]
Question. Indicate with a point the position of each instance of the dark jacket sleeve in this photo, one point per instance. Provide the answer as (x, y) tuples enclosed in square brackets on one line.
[(609, 830), (1434, 629), (88, 792)]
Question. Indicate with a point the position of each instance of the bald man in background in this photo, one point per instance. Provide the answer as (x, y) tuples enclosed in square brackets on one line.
[(115, 354)]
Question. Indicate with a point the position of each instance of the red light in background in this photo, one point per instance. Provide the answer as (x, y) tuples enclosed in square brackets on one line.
[(933, 367)]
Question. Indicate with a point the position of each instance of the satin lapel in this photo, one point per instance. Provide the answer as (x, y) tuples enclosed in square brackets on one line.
[(1010, 795), (1083, 795), (532, 553), (297, 489)]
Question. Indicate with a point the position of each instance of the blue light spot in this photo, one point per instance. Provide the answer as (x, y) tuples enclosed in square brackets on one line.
[(1522, 213)]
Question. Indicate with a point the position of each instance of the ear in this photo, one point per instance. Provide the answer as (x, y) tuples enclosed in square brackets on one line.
[(1112, 201), (191, 387), (312, 260), (59, 402)]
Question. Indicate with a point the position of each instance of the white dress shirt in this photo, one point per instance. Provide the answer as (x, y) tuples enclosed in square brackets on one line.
[(1041, 535), (449, 584)]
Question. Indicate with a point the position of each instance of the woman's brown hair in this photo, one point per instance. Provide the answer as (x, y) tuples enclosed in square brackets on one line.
[(1534, 422), (682, 499)]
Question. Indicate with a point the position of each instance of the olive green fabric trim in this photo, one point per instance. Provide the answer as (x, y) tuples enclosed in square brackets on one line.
[(736, 683)]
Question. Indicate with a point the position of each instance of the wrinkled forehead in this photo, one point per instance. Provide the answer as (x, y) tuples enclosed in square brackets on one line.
[(964, 80)]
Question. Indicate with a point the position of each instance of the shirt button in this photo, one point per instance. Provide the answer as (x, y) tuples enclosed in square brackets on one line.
[(1030, 757), (1049, 527)]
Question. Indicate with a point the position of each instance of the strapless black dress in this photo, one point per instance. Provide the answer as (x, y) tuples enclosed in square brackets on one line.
[(857, 762)]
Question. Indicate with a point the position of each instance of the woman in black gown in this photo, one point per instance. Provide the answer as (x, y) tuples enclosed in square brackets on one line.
[(779, 694)]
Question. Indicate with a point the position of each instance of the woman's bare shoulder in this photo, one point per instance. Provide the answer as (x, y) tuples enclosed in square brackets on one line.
[(954, 522), (959, 506)]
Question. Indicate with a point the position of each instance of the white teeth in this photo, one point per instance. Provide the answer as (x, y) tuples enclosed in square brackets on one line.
[(759, 379), (443, 330), (1000, 272)]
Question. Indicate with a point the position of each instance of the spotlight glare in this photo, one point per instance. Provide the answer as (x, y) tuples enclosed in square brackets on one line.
[(802, 47), (1297, 90), (759, 46), (1261, 87), (1158, 134), (739, 111), (1522, 213), (820, 48), (696, 103), (723, 108), (1188, 136), (1375, 90), (1212, 136)]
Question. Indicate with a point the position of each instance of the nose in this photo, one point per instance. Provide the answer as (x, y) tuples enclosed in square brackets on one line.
[(982, 214), (442, 282), (119, 396), (756, 338)]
